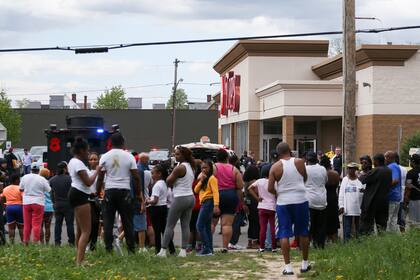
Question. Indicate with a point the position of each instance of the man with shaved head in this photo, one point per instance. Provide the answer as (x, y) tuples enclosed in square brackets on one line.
[(395, 193), (287, 181)]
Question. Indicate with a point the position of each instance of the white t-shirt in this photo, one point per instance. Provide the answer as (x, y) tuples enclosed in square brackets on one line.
[(183, 186), (34, 186), (350, 197), (268, 199), (315, 186), (75, 165), (118, 164), (27, 159), (160, 190), (93, 187)]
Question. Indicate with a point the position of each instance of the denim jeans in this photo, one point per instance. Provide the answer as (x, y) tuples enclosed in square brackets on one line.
[(392, 225), (347, 223), (204, 225)]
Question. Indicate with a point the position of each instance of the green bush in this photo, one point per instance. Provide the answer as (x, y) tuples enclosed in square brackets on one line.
[(412, 142)]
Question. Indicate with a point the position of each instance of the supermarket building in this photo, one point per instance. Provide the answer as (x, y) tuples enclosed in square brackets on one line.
[(278, 90)]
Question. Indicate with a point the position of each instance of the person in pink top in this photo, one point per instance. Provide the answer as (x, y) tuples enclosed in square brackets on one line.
[(266, 208), (230, 192)]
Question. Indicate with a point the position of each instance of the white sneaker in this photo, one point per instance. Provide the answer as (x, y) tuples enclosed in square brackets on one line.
[(162, 253), (117, 242), (142, 250), (182, 253)]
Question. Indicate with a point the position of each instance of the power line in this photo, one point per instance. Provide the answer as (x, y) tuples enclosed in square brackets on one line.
[(104, 89), (106, 47)]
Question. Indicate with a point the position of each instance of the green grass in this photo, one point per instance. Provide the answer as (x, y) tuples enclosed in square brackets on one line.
[(41, 262), (389, 256)]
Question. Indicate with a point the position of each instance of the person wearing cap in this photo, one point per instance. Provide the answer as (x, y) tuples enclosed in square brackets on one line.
[(60, 187), (412, 192), (349, 200), (317, 197), (34, 186)]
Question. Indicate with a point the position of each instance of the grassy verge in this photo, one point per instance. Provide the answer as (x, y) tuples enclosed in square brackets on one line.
[(385, 257), (40, 262)]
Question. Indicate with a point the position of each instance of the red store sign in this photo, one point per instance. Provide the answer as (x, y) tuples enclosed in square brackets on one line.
[(231, 93)]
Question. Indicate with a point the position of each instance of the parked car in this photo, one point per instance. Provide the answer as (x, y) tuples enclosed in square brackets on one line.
[(159, 156), (37, 152), (204, 151)]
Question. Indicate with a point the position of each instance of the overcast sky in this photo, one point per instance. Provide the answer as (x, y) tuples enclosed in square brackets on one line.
[(41, 23)]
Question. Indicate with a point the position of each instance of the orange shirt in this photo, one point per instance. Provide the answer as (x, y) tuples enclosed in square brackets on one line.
[(13, 195)]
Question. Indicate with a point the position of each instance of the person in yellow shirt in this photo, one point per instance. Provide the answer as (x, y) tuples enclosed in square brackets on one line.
[(208, 192)]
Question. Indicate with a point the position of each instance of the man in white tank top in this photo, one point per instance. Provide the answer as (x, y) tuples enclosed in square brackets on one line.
[(287, 181)]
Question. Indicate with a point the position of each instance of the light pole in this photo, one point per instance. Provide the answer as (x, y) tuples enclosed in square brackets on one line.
[(176, 83)]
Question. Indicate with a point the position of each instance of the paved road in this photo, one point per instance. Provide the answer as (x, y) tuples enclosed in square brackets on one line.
[(243, 240)]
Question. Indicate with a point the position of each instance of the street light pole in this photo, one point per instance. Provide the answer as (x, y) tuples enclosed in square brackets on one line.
[(176, 62)]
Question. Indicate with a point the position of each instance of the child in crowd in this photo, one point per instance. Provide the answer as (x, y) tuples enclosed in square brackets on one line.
[(266, 208), (208, 191), (349, 200), (158, 206)]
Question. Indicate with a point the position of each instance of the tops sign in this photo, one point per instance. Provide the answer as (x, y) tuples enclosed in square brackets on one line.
[(231, 93)]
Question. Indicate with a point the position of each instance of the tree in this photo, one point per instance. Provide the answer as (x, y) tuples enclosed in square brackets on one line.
[(411, 142), (112, 99), (10, 118), (22, 103), (181, 101)]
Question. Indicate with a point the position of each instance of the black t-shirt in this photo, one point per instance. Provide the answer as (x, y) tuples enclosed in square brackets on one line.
[(9, 159), (60, 186), (413, 178)]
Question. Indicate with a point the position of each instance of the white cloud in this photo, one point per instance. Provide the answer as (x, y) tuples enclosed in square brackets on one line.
[(34, 65)]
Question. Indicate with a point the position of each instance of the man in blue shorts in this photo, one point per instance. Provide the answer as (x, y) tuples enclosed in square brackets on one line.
[(287, 181)]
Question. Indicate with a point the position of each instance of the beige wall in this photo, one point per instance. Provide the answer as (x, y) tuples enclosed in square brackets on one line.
[(265, 70)]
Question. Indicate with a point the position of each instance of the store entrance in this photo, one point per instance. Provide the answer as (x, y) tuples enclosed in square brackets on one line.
[(270, 143), (305, 145)]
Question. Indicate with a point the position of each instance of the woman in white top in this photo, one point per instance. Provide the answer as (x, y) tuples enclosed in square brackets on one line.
[(79, 194), (94, 202), (316, 194), (34, 188), (181, 180)]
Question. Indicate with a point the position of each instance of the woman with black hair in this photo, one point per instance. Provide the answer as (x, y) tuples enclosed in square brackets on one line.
[(230, 190), (181, 181), (209, 198), (251, 174), (79, 194), (366, 166), (333, 223)]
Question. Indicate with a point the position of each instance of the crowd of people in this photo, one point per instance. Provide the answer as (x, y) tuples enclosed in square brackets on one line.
[(116, 196)]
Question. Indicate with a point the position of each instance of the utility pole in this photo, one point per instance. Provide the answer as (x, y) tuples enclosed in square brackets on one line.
[(176, 62), (349, 80)]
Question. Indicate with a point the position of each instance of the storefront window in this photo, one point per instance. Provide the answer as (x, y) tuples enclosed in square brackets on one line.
[(241, 137), (226, 135), (272, 127), (305, 128)]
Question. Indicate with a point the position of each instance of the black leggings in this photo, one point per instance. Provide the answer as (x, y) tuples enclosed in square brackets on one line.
[(318, 228), (158, 215), (95, 216)]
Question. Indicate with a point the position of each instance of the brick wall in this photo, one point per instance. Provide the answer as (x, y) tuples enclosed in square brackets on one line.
[(379, 133), (254, 137)]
